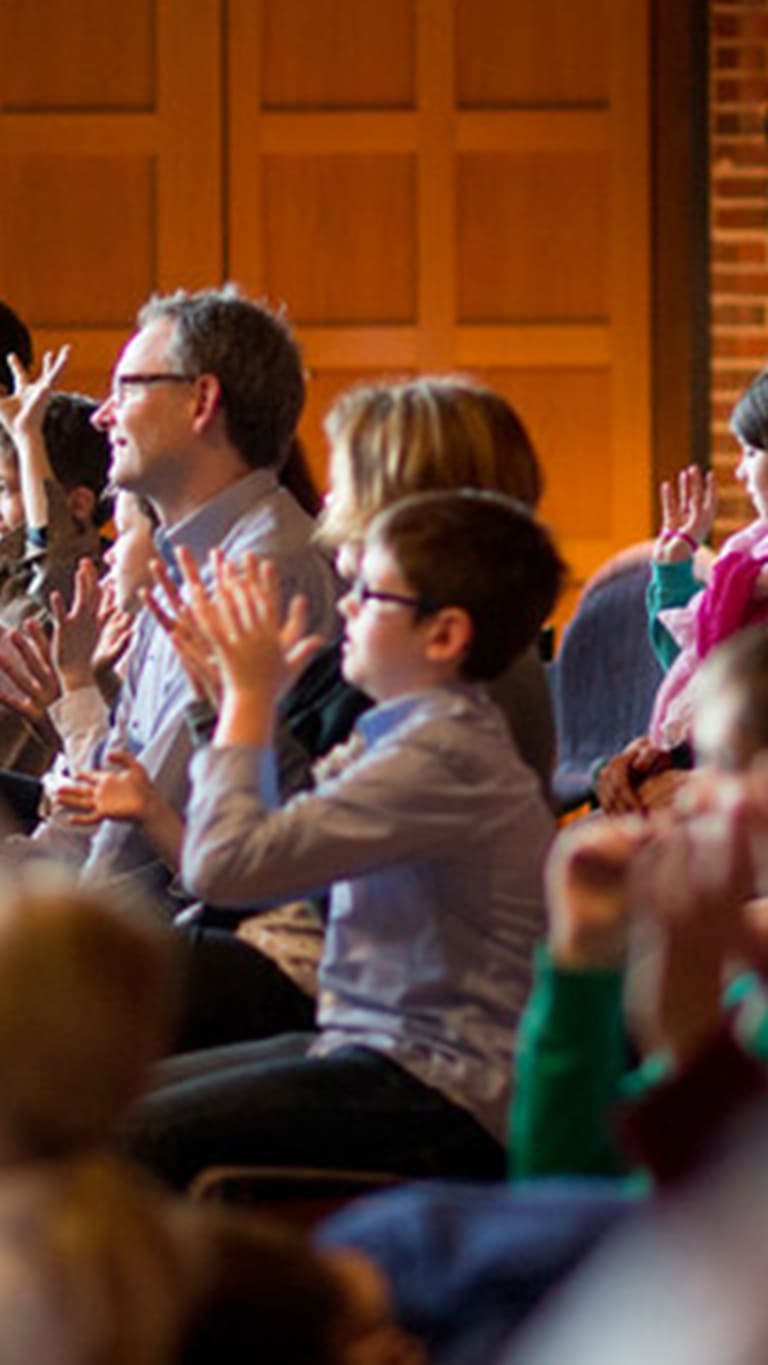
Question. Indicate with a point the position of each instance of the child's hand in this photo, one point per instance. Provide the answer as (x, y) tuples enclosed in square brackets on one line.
[(620, 779), (687, 514), (587, 877), (122, 792), (22, 411), (115, 633), (76, 632), (32, 683), (690, 885)]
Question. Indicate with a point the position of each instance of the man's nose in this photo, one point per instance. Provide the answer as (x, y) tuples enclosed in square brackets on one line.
[(104, 416)]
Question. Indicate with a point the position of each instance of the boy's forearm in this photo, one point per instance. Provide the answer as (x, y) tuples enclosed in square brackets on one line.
[(34, 469), (246, 717)]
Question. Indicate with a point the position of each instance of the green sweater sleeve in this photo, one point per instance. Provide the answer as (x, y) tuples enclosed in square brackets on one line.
[(571, 1061), (671, 585)]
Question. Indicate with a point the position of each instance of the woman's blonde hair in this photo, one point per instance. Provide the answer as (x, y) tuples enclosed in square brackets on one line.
[(389, 440)]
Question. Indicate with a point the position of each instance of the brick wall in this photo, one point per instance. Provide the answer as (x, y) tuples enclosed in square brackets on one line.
[(739, 227)]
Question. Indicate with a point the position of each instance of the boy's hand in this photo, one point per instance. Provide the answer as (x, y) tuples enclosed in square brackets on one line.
[(115, 632), (33, 683), (122, 792), (587, 883), (259, 650), (76, 631), (687, 510), (22, 411)]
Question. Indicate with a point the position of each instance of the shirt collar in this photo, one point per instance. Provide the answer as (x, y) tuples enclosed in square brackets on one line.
[(208, 525), (391, 714)]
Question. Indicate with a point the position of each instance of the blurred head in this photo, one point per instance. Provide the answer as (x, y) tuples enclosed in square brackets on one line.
[(97, 1267), (453, 584), (272, 1297), (14, 337), (390, 440), (79, 457), (128, 557), (731, 702), (87, 1002)]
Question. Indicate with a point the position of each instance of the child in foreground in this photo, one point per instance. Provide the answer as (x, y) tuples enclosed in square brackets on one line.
[(432, 838)]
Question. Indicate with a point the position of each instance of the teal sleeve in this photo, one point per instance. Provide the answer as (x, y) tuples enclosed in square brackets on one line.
[(746, 1000), (570, 1065), (671, 585)]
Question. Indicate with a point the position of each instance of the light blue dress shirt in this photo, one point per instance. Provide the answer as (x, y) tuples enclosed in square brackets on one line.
[(433, 839), (254, 513)]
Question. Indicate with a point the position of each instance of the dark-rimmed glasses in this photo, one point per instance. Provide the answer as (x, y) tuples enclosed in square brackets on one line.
[(360, 591), (123, 383)]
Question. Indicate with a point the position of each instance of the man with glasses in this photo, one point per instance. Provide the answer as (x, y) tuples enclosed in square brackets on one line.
[(204, 402)]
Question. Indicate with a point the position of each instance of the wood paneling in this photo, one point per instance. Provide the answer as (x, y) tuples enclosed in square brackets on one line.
[(338, 54), (80, 54), (549, 52), (426, 184), (339, 239), (61, 212), (533, 235)]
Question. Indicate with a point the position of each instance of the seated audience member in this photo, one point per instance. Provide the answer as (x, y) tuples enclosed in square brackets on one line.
[(53, 468), (204, 401), (386, 442), (14, 339), (687, 618), (693, 875), (432, 839)]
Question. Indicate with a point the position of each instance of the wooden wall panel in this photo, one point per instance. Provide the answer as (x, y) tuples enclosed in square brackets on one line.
[(533, 234), (338, 54), (61, 210), (551, 52), (80, 54), (339, 237)]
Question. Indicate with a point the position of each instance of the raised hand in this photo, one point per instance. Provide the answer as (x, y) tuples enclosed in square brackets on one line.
[(77, 630), (23, 410), (115, 632), (688, 509), (587, 890), (178, 619)]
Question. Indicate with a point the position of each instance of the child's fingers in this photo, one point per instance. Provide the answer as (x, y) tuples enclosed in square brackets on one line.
[(161, 574), (163, 618)]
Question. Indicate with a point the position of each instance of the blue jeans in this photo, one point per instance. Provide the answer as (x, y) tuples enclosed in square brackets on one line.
[(268, 1103)]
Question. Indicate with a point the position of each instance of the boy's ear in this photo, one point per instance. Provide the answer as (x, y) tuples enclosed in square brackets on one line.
[(450, 635), (82, 504)]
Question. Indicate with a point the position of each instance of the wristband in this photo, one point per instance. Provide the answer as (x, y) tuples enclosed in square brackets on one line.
[(681, 535)]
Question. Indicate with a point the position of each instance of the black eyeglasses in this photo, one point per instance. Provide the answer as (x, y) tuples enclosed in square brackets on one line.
[(123, 383), (360, 591)]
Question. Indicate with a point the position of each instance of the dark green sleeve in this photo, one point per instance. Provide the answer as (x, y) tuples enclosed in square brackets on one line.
[(671, 585), (571, 1060)]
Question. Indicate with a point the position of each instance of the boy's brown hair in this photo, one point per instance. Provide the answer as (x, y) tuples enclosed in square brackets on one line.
[(482, 552)]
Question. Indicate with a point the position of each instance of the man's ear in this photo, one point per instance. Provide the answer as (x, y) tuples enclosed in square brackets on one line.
[(450, 635), (81, 502), (207, 401)]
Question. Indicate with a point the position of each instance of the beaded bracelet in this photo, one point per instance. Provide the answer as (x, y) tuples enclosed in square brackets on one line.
[(681, 535)]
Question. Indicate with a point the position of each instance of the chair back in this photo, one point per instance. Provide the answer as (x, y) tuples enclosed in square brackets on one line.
[(605, 675)]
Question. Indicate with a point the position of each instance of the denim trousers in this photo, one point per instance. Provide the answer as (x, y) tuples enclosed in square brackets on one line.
[(268, 1103)]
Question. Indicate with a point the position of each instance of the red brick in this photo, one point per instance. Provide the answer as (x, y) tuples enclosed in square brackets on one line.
[(738, 314), (741, 58), (741, 187), (748, 282), (731, 344), (746, 154), (739, 253), (743, 91), (741, 216)]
